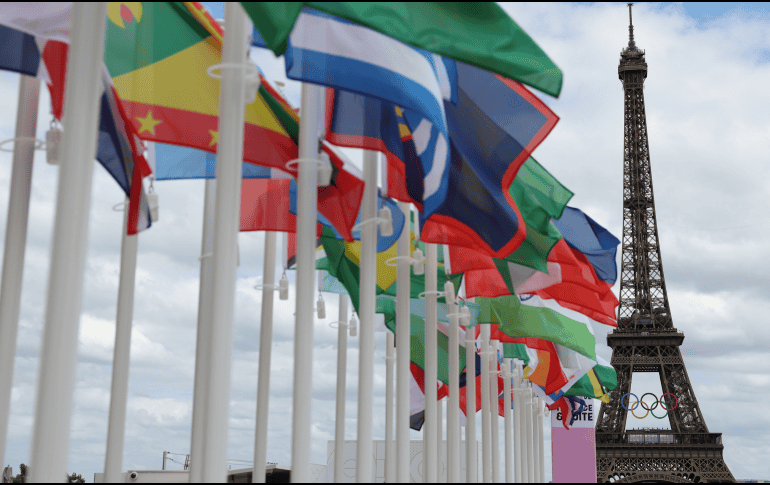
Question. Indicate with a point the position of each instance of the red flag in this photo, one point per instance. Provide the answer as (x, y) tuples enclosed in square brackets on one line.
[(580, 289), (265, 206)]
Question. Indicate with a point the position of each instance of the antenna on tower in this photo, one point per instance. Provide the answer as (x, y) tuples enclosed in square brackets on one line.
[(630, 26), (631, 42)]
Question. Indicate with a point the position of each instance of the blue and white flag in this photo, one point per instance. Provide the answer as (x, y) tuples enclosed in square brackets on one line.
[(172, 162), (324, 49)]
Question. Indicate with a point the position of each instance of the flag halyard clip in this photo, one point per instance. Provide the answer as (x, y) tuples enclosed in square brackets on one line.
[(385, 221), (39, 144), (417, 260), (324, 168), (250, 73)]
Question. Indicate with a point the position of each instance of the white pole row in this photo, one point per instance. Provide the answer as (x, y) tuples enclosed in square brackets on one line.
[(430, 432), (202, 338), (116, 425), (365, 463), (486, 442), (453, 401), (471, 449), (307, 215), (390, 460), (342, 367), (517, 425), (494, 397), (15, 241), (403, 339), (58, 355), (265, 354), (232, 101), (507, 424)]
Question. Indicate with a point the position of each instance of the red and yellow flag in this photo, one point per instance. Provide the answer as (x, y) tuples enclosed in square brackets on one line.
[(158, 55)]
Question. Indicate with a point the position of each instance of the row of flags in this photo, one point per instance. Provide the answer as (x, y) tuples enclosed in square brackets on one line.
[(434, 89)]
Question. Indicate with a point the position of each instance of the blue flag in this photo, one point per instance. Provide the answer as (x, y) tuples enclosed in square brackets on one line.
[(176, 162), (493, 128), (585, 235), (333, 52)]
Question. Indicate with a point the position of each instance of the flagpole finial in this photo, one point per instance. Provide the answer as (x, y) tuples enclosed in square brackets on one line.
[(631, 42)]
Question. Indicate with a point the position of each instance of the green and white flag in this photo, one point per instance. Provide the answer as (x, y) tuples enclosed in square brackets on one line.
[(477, 33)]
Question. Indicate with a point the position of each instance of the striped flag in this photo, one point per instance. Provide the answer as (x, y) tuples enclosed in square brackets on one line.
[(327, 50)]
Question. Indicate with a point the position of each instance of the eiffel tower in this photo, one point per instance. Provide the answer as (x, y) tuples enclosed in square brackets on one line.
[(645, 339)]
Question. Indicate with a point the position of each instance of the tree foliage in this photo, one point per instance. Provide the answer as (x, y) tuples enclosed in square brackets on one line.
[(22, 477)]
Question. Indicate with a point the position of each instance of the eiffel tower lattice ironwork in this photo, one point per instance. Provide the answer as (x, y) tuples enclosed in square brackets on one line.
[(645, 339)]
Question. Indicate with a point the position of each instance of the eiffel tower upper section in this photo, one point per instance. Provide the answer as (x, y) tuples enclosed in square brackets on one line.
[(643, 300)]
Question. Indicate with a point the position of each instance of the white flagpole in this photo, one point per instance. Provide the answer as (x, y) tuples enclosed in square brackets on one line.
[(15, 241), (342, 366), (390, 460), (440, 440), (541, 444), (116, 425), (58, 355), (202, 339), (517, 423), (453, 402), (530, 437), (265, 351), (507, 423), (486, 448), (232, 101), (494, 397), (471, 449), (307, 215), (403, 342), (430, 432), (535, 441), (365, 463)]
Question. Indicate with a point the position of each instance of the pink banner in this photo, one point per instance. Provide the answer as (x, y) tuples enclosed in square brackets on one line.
[(574, 451)]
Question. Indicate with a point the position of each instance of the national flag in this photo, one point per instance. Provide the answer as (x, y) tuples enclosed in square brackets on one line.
[(173, 162), (417, 396), (342, 262), (383, 242), (597, 244), (493, 128), (579, 289), (337, 203), (19, 52), (597, 383), (480, 34), (532, 316), (166, 90), (539, 197), (46, 31), (357, 121), (327, 50), (265, 206)]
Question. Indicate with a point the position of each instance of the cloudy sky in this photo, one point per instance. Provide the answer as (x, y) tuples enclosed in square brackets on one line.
[(709, 137)]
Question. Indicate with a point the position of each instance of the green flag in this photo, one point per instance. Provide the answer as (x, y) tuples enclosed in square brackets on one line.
[(518, 321), (597, 383), (342, 263), (540, 198), (477, 33), (387, 306)]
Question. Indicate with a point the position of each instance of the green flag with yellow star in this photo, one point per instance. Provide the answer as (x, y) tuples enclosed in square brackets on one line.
[(157, 55)]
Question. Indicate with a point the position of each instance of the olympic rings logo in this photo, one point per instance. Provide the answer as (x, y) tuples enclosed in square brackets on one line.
[(650, 408)]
